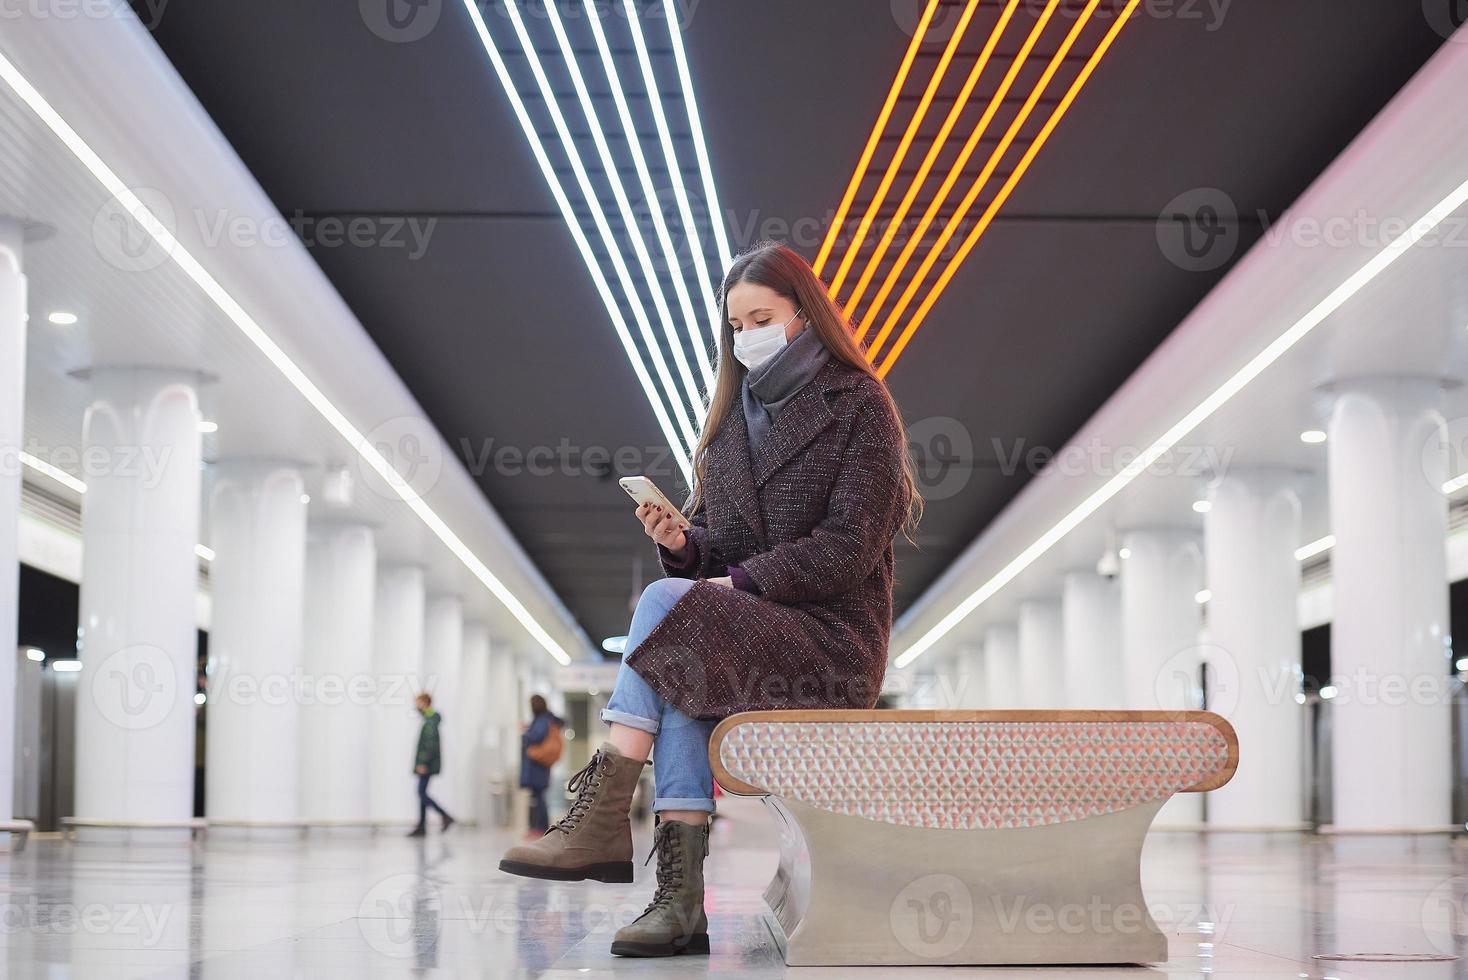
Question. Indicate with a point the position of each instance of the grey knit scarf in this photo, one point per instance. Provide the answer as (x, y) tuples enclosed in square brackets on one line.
[(766, 391)]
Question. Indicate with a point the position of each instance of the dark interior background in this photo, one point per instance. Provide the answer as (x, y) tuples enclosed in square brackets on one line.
[(499, 333)]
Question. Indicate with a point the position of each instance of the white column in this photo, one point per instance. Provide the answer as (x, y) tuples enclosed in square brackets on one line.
[(397, 663), (443, 668), (137, 640), (1001, 668), (257, 528), (1041, 654), (469, 730), (1161, 576), (503, 766), (1389, 637), (1250, 535), (336, 721), (1091, 609), (12, 424), (968, 680)]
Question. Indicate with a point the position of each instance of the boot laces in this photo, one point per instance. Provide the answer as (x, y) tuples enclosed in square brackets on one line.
[(583, 784), (669, 849)]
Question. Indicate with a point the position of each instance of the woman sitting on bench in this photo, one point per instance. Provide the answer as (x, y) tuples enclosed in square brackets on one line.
[(779, 595)]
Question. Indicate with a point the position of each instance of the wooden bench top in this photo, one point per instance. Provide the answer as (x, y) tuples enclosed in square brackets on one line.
[(973, 769)]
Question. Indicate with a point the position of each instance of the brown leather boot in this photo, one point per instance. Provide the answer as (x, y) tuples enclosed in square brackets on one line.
[(594, 838)]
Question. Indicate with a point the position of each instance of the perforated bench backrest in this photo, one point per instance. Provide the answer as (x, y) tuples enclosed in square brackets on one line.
[(973, 769)]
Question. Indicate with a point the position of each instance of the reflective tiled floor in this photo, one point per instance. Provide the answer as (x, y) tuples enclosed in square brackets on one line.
[(1233, 905)]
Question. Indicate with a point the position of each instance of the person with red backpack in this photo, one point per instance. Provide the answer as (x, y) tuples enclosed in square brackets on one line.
[(541, 745)]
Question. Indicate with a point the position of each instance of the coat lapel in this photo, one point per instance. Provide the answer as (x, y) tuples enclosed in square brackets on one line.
[(801, 420)]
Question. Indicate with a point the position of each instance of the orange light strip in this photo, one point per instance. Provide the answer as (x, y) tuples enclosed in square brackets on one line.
[(1008, 189), (934, 151), (866, 155), (954, 172), (959, 216), (939, 73)]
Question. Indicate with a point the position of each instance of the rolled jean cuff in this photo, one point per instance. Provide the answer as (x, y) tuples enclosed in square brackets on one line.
[(611, 717), (674, 803)]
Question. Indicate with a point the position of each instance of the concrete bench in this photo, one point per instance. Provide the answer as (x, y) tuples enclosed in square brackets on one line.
[(966, 837), (20, 832)]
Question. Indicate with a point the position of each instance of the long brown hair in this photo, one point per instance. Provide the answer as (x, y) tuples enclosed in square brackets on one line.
[(777, 267)]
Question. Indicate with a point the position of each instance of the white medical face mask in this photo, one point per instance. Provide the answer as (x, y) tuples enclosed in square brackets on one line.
[(754, 348)]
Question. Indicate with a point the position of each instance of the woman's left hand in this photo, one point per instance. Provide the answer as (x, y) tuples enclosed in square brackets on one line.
[(726, 581)]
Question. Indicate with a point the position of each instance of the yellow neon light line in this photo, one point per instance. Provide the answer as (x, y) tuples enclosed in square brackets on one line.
[(871, 147), (1008, 189), (874, 206), (939, 142), (967, 205), (956, 171)]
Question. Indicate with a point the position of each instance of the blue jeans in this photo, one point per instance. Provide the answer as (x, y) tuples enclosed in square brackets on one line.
[(426, 802), (680, 747)]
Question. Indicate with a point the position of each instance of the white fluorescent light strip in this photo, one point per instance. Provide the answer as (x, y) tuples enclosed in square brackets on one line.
[(1455, 484), (256, 334), (644, 175), (1338, 297), (629, 220), (624, 275), (1317, 547), (680, 190), (603, 288), (55, 473), (700, 145)]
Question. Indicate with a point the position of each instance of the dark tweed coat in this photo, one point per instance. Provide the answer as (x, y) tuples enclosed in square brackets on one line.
[(811, 518)]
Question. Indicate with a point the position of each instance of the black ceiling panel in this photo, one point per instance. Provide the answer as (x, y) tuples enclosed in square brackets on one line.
[(498, 331)]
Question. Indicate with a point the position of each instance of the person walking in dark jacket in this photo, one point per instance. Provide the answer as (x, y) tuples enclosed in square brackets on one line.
[(779, 587), (537, 742), (427, 762)]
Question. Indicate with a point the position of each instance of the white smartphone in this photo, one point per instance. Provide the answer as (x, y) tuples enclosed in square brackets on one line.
[(644, 491)]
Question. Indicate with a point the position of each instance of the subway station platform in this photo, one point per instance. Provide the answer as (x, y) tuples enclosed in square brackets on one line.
[(1232, 905)]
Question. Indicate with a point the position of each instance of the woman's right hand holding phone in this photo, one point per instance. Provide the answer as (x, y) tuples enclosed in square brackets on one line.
[(662, 527)]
